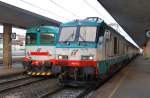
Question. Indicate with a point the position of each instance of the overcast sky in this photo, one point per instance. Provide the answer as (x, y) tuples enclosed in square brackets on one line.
[(67, 10)]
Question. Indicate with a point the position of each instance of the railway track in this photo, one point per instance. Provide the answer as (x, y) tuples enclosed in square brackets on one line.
[(13, 79), (32, 90), (44, 89), (7, 85), (47, 94), (87, 91), (62, 92), (70, 92)]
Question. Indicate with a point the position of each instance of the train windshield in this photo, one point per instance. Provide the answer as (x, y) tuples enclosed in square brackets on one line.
[(31, 38), (47, 38), (87, 34), (67, 34)]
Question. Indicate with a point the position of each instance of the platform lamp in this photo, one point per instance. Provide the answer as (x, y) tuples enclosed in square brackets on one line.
[(147, 43), (148, 33)]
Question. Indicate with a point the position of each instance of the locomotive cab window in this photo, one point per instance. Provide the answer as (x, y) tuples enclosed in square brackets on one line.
[(67, 34), (87, 34), (31, 38), (47, 38)]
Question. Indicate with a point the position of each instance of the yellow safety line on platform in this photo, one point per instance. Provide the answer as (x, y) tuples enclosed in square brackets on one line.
[(118, 84)]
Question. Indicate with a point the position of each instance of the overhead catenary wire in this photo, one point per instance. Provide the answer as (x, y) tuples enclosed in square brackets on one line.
[(117, 27), (61, 8), (43, 9), (95, 10), (64, 8)]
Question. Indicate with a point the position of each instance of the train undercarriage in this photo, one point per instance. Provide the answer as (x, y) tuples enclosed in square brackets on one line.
[(41, 68), (77, 75)]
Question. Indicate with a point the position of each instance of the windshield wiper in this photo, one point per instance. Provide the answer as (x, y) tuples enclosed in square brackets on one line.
[(83, 39), (71, 36)]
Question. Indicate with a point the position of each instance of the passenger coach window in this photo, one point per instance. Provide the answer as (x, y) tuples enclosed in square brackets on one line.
[(47, 38), (115, 45), (31, 38)]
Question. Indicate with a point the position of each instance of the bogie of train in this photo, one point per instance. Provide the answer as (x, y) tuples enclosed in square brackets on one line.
[(40, 50), (89, 50)]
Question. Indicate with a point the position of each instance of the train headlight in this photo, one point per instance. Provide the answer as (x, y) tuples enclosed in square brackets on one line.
[(90, 57), (87, 57), (60, 57), (64, 57)]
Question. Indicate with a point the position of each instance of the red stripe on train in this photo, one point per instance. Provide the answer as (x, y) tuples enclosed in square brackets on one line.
[(39, 53), (77, 63)]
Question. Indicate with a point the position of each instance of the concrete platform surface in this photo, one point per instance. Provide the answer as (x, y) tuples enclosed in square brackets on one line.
[(131, 82), (16, 69)]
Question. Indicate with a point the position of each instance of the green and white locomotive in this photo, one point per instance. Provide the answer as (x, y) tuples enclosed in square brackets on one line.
[(40, 50), (89, 50)]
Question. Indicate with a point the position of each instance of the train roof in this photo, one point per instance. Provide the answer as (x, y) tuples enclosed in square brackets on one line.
[(43, 29), (94, 21)]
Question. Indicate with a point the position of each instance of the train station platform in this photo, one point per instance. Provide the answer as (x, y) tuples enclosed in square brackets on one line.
[(17, 68), (133, 81)]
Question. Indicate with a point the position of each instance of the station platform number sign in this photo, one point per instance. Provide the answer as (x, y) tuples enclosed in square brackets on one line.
[(13, 35)]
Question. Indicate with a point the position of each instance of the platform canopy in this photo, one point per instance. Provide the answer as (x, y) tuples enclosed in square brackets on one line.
[(22, 18), (132, 15)]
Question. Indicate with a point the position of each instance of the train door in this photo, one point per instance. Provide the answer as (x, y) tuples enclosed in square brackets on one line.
[(100, 48), (107, 36)]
